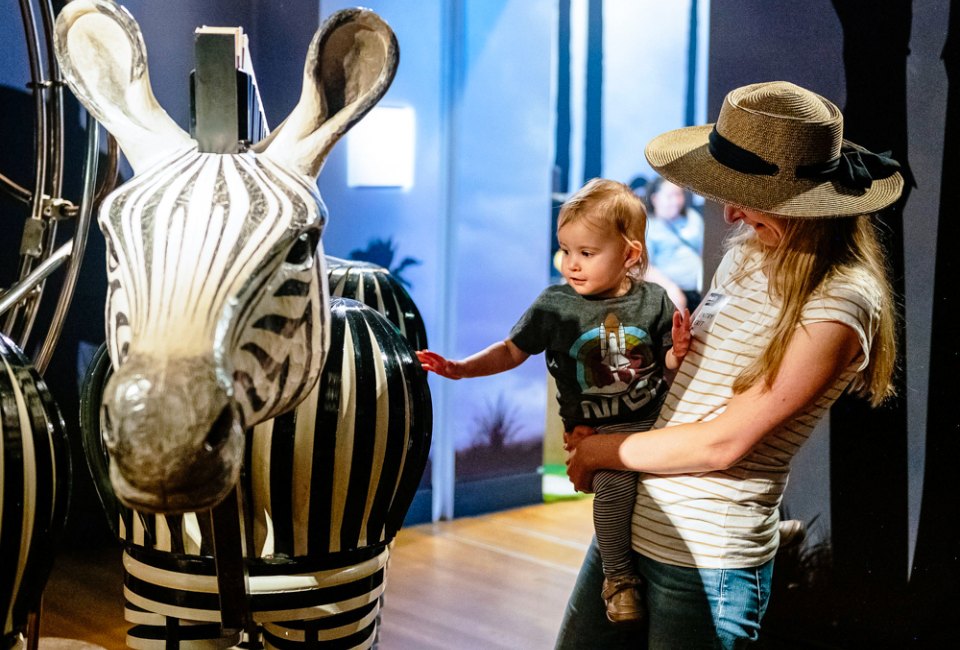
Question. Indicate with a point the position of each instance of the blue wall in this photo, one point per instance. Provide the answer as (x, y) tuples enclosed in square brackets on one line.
[(492, 193), (477, 215), (480, 76)]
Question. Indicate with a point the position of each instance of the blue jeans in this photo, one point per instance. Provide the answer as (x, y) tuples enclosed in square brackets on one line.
[(715, 609)]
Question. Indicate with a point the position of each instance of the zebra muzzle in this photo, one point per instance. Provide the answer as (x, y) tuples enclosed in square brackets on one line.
[(173, 432)]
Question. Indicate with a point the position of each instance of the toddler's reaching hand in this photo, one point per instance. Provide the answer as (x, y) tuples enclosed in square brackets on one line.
[(433, 362), (681, 333)]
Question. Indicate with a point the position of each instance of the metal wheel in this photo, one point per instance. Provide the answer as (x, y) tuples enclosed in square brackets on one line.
[(39, 256)]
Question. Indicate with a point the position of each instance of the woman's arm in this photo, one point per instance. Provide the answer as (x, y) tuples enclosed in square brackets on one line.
[(816, 356), (499, 357)]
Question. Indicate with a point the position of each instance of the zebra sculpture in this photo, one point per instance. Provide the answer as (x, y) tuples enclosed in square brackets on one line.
[(218, 323)]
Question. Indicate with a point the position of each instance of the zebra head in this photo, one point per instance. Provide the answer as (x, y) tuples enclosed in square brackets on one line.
[(217, 300)]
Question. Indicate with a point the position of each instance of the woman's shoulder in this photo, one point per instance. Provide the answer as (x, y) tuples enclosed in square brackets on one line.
[(854, 284), (851, 291)]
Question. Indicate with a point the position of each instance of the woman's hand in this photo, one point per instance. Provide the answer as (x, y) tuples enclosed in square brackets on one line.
[(681, 333), (433, 362), (588, 453), (573, 438), (580, 475)]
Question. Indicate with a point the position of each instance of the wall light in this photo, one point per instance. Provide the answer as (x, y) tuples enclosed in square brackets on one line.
[(380, 148)]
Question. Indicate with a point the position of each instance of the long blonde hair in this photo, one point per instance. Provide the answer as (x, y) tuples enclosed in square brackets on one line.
[(810, 251), (612, 205)]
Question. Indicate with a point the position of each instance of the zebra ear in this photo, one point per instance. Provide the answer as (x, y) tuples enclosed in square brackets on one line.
[(104, 60), (350, 65)]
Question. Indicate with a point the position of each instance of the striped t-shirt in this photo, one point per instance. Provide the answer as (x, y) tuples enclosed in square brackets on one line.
[(729, 518)]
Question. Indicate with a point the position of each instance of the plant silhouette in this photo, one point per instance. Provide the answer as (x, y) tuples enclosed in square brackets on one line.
[(381, 252), (498, 426)]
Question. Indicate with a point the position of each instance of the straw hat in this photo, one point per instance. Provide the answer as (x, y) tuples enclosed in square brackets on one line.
[(778, 148)]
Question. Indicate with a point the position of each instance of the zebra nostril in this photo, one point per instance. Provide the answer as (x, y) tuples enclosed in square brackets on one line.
[(220, 430)]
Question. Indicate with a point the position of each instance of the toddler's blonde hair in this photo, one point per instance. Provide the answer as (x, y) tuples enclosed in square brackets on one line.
[(610, 206)]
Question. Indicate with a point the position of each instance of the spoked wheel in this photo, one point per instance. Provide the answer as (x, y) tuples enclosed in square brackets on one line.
[(43, 201), (36, 471)]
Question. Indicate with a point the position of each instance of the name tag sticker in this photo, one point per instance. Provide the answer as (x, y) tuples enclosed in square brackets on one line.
[(704, 315)]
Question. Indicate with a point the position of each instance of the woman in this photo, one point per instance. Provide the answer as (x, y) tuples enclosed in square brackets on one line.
[(799, 311), (674, 243)]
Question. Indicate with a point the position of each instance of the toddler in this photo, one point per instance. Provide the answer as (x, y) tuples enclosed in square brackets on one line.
[(609, 338)]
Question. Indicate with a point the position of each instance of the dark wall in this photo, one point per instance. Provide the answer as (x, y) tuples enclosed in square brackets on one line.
[(934, 590), (279, 38)]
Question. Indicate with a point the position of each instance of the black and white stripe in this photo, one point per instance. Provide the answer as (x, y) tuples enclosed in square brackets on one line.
[(360, 443), (375, 286), (209, 285), (334, 600), (210, 251), (34, 488)]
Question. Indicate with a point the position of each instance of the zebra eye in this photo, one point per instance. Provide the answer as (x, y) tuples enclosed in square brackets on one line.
[(304, 248)]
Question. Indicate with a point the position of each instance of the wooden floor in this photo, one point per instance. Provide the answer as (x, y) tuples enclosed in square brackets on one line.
[(495, 581)]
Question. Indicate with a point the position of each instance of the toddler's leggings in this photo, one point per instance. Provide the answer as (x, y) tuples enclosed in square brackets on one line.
[(615, 493)]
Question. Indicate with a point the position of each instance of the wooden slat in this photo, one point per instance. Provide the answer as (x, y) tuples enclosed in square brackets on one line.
[(495, 581)]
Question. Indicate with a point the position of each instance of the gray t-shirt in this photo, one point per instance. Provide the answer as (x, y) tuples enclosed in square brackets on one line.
[(606, 353)]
